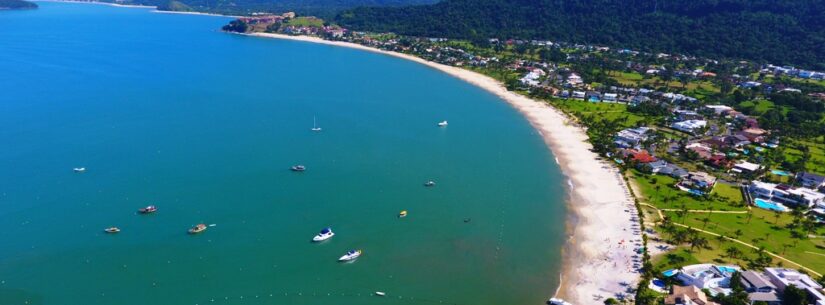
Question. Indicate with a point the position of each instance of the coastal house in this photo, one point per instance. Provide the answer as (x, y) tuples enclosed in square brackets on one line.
[(719, 109), (715, 279), (631, 137), (755, 135), (639, 99), (689, 126), (610, 97), (786, 194), (702, 149), (574, 80), (810, 180), (661, 167), (684, 115), (578, 95), (687, 295), (698, 181), (745, 167), (782, 278), (640, 156), (593, 96)]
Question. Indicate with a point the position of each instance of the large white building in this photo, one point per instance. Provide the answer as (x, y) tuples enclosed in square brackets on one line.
[(714, 278), (690, 125), (783, 278), (788, 195)]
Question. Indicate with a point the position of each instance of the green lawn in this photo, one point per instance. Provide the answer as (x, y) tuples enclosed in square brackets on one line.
[(714, 253), (759, 106), (306, 21), (816, 163), (611, 111), (763, 229), (723, 197)]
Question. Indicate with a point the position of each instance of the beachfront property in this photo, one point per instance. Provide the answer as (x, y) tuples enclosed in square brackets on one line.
[(661, 167), (786, 195), (687, 295), (532, 78), (700, 182), (632, 137), (782, 278), (578, 95), (759, 288), (715, 279), (719, 109), (610, 97), (689, 126)]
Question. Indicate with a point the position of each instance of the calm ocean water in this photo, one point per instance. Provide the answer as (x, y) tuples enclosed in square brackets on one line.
[(163, 109)]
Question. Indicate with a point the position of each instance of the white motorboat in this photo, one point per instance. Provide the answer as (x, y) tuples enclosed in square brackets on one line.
[(350, 256), (325, 234), (442, 124), (79, 169)]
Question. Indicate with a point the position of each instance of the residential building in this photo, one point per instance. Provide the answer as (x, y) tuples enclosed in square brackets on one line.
[(810, 180), (719, 109), (782, 278), (746, 167), (699, 180), (687, 295), (788, 195), (631, 137), (689, 126), (578, 94), (708, 276), (610, 97)]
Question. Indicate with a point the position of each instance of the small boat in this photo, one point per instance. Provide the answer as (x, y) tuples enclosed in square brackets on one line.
[(298, 168), (148, 209), (197, 229), (442, 124), (466, 220), (79, 169), (380, 293), (557, 301), (429, 183), (315, 127), (325, 234), (402, 214), (112, 230), (351, 255)]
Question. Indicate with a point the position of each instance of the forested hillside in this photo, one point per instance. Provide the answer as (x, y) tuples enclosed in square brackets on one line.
[(322, 8), (781, 32)]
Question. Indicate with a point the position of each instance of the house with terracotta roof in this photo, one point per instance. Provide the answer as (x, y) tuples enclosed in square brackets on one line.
[(687, 295)]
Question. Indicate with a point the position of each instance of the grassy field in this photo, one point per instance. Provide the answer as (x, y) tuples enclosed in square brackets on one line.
[(611, 111), (766, 230), (816, 163), (695, 88), (759, 106), (306, 21), (723, 197)]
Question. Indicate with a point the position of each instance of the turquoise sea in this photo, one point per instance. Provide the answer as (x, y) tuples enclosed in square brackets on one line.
[(164, 109)]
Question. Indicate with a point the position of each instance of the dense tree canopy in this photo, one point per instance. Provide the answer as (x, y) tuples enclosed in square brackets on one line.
[(780, 32)]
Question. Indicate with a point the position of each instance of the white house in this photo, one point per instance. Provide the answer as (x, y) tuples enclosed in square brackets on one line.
[(690, 125), (610, 97), (782, 278), (719, 109), (745, 167), (708, 276), (578, 94)]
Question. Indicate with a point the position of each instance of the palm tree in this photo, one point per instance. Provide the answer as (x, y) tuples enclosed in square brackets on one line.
[(785, 246), (738, 233), (776, 215), (733, 252), (698, 241), (750, 214), (705, 222)]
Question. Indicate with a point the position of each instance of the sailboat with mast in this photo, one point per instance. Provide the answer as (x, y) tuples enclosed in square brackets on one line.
[(315, 126)]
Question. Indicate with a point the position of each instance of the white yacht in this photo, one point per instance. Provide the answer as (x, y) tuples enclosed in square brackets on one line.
[(325, 234), (442, 124), (79, 169), (351, 255), (557, 301)]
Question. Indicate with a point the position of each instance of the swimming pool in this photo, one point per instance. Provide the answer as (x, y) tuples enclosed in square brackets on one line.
[(670, 272), (726, 269), (780, 172), (769, 205)]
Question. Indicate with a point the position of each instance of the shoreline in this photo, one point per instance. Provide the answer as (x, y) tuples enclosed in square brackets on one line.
[(601, 240), (155, 8)]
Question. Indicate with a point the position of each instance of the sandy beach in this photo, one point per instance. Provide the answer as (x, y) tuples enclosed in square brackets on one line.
[(604, 232)]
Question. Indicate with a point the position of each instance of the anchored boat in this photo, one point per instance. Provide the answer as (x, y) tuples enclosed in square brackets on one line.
[(350, 256), (298, 168), (325, 234), (112, 230), (197, 229), (148, 209)]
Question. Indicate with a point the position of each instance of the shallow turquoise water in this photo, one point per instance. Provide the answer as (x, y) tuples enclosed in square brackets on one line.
[(163, 109)]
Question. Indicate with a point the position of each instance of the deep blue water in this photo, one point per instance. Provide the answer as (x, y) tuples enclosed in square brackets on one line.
[(164, 109)]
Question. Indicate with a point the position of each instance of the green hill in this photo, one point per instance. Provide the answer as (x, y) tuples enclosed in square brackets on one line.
[(781, 32), (16, 5), (322, 8)]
